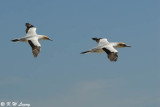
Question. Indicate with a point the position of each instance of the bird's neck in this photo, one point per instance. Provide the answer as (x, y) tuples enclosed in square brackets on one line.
[(40, 37), (115, 44)]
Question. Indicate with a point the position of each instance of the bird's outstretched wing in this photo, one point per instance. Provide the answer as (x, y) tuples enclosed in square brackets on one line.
[(96, 39), (101, 41), (30, 30), (35, 47), (112, 53)]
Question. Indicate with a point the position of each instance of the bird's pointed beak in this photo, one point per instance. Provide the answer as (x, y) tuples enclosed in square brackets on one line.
[(50, 39), (127, 46)]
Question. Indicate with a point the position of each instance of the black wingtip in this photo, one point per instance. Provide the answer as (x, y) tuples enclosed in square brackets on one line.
[(29, 25), (95, 38)]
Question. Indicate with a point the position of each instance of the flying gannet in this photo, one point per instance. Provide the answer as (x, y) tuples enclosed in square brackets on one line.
[(108, 47), (32, 38)]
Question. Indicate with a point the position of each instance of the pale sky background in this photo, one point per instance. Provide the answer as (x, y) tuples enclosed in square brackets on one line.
[(61, 76)]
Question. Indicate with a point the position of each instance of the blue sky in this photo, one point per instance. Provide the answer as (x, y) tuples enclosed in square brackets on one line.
[(61, 76)]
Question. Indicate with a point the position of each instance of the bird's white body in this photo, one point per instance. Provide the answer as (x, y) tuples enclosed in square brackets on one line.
[(32, 38), (103, 43), (109, 47)]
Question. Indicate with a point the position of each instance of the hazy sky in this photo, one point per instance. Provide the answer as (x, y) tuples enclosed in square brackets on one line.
[(61, 76)]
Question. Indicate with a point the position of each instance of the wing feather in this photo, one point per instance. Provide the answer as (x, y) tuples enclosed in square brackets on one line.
[(35, 47), (111, 52), (30, 30), (101, 41), (96, 39)]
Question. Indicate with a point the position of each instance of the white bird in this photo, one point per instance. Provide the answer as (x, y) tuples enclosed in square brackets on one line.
[(109, 47), (32, 38)]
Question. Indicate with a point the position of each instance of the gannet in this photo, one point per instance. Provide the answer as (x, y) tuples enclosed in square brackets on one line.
[(109, 47), (32, 38)]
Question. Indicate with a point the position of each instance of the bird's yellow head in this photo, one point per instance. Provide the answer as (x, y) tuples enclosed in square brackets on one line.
[(121, 45), (46, 38)]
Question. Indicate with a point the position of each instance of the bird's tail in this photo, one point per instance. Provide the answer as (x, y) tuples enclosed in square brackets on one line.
[(85, 52), (15, 40)]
